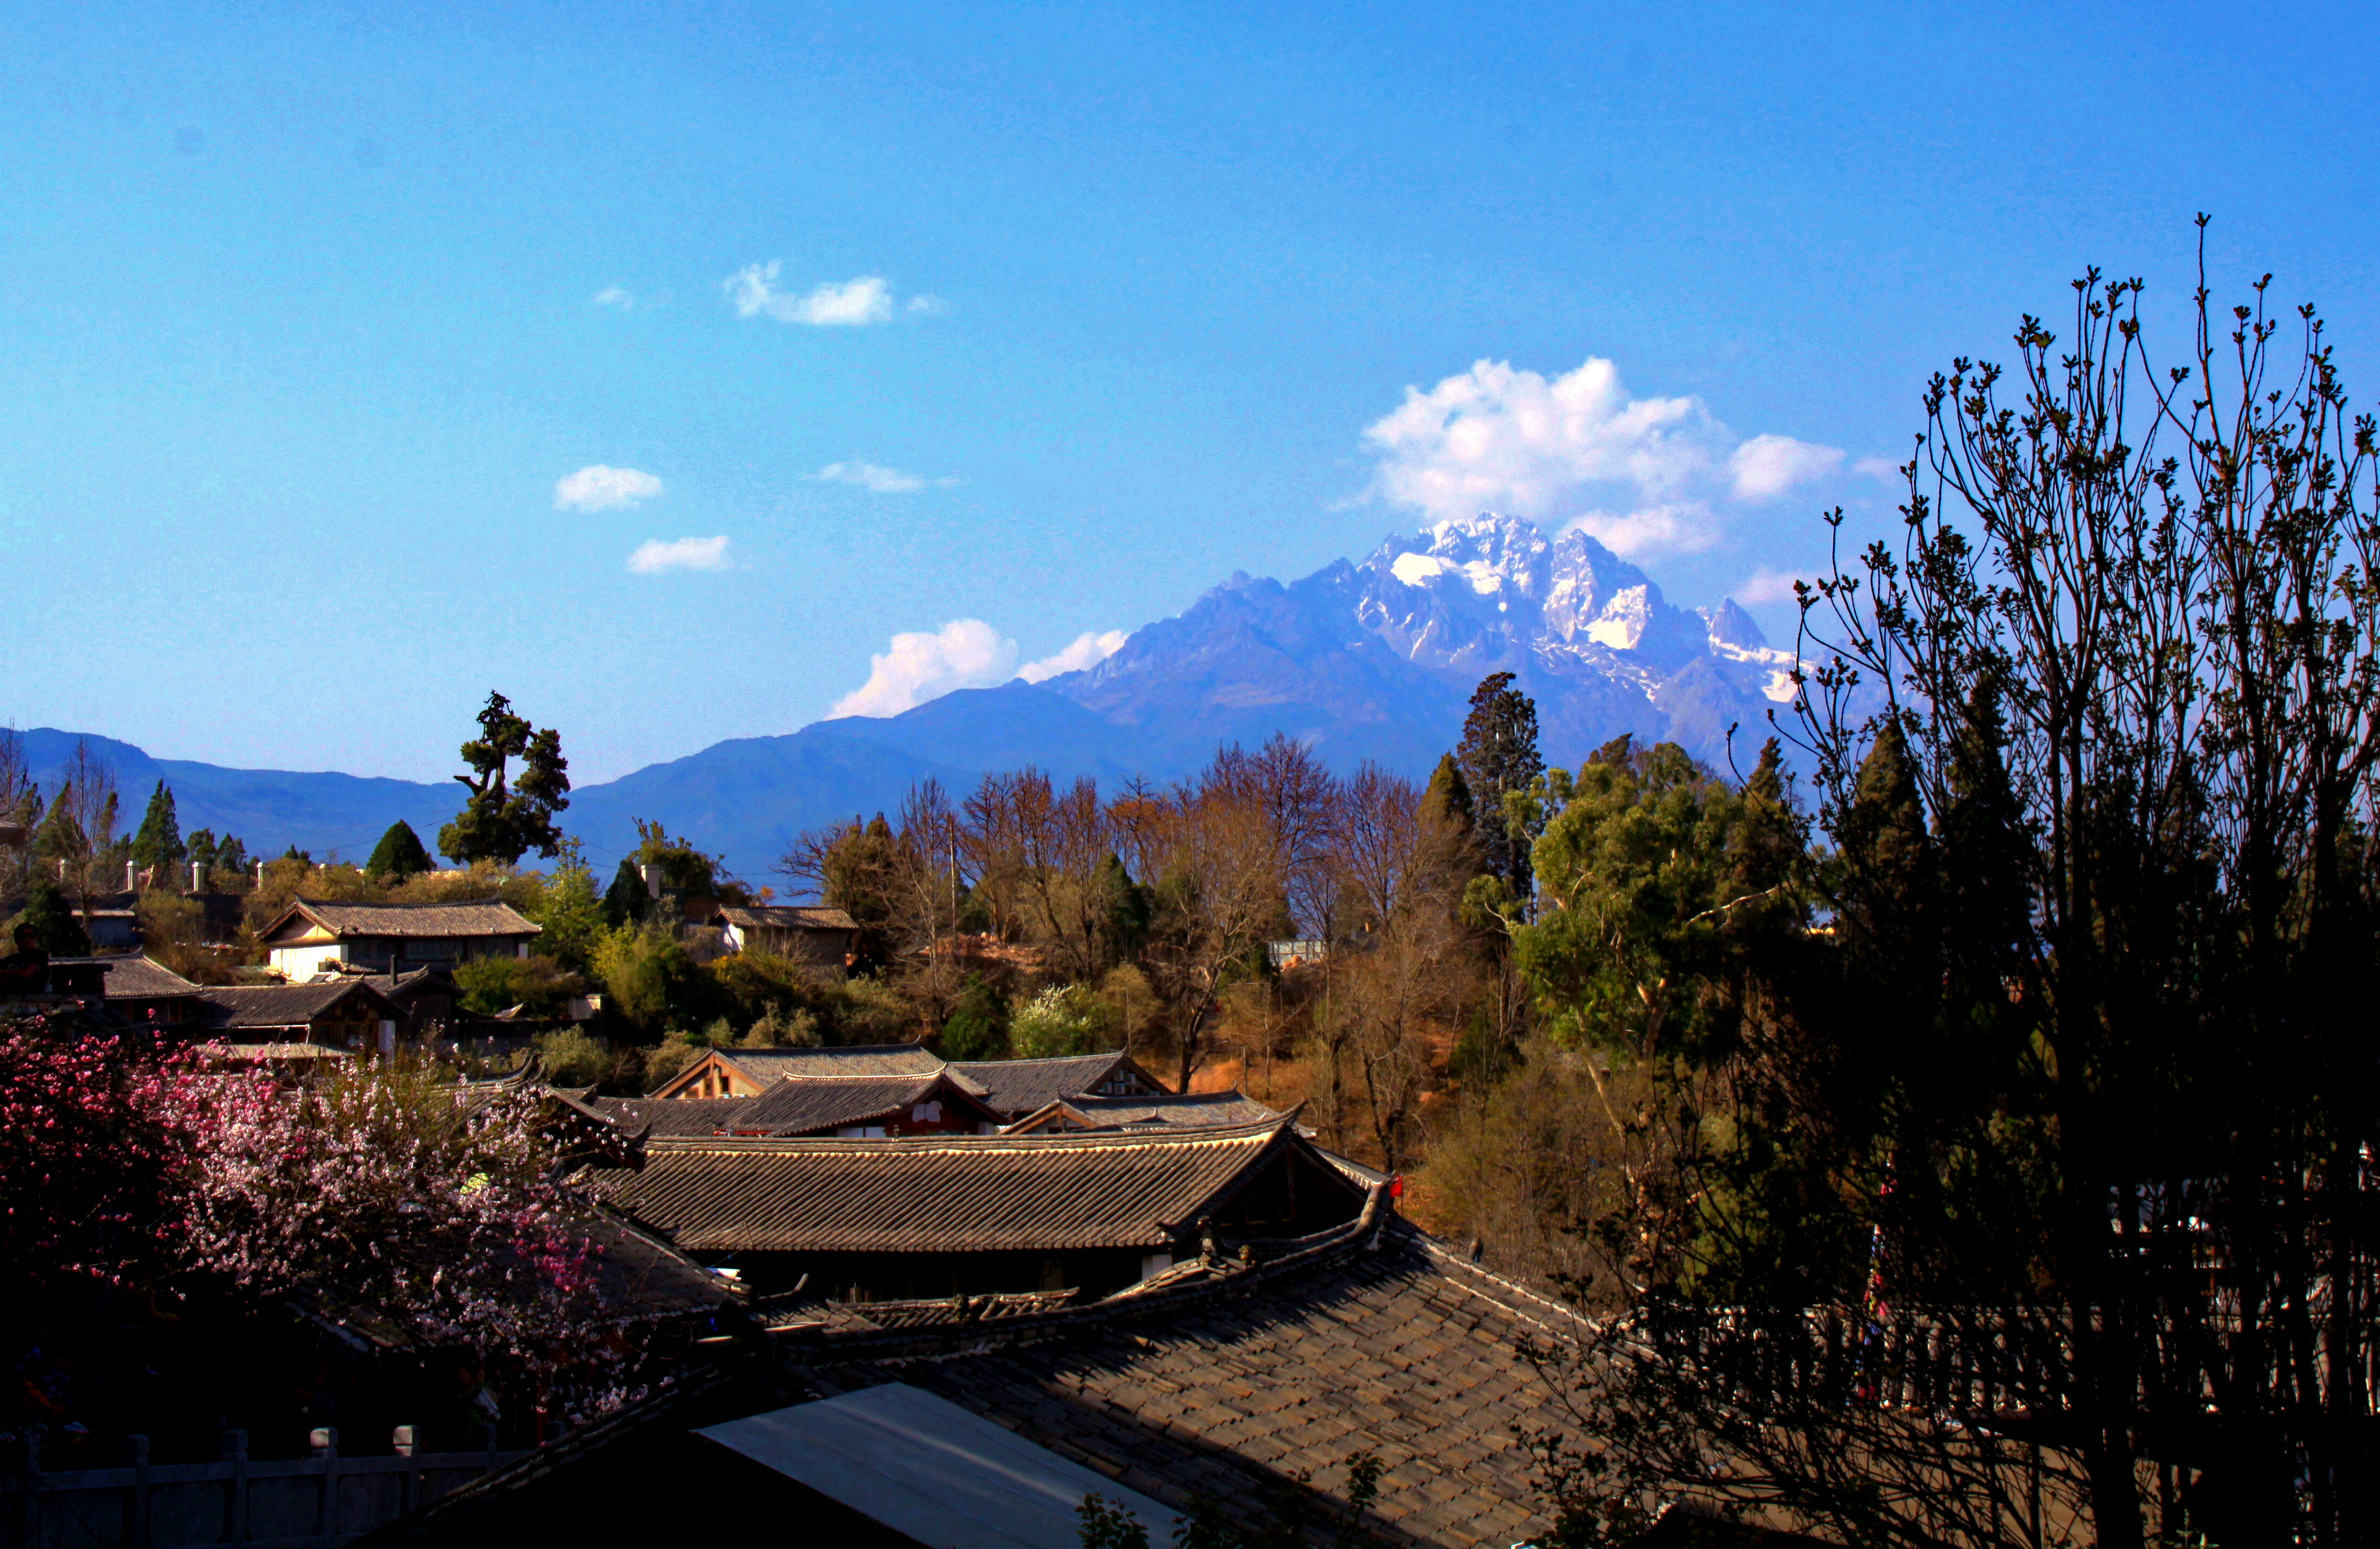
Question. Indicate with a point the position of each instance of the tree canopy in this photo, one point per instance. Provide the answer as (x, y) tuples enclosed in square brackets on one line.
[(399, 854), (507, 816)]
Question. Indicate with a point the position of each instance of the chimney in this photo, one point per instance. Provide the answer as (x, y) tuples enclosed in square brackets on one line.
[(645, 875), (131, 879), (259, 871), (198, 878)]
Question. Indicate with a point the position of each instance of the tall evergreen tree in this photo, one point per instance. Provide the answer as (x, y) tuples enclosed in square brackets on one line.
[(158, 842), (399, 854), (504, 818), (627, 899), (1498, 757)]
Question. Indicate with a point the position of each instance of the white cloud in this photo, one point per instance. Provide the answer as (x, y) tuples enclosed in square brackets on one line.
[(879, 480), (1499, 438), (1765, 585), (1089, 650), (1682, 527), (618, 297), (753, 292), (655, 555), (597, 488), (965, 653), (1879, 467), (1765, 466), (926, 305)]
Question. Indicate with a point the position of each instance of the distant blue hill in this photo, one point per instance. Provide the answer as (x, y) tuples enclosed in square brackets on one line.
[(1360, 660)]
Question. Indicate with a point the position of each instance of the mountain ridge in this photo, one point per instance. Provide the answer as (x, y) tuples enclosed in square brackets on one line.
[(1372, 659)]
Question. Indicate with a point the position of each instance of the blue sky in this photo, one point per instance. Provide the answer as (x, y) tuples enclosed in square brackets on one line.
[(308, 314)]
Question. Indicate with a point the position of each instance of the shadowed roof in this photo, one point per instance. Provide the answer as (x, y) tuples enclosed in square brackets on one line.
[(931, 1194), (670, 1116), (271, 1006), (798, 1105), (1020, 1086), (130, 975), (1175, 1109)]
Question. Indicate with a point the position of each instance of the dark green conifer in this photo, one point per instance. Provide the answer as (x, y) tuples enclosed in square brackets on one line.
[(158, 842), (399, 854)]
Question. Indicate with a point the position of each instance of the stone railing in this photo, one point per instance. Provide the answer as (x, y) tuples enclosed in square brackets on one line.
[(315, 1502)]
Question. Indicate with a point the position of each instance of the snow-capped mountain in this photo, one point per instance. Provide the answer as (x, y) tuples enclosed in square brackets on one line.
[(1372, 659), (1363, 657)]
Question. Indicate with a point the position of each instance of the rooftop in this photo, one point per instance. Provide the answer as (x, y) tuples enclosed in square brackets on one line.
[(1017, 1087), (921, 1194), (1221, 1386), (242, 1007), (131, 976), (486, 916), (787, 917), (766, 1065), (801, 1104), (1164, 1109)]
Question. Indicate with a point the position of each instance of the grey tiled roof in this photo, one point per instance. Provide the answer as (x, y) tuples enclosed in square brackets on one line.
[(805, 1104), (1220, 1391), (1020, 1086), (241, 1007), (1216, 1390), (487, 916), (1165, 1109), (787, 917), (765, 1065), (670, 1116), (925, 1195), (132, 976)]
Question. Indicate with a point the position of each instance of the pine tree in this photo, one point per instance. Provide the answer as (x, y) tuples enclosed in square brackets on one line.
[(503, 819), (60, 837), (627, 899), (399, 854), (158, 842), (1499, 758)]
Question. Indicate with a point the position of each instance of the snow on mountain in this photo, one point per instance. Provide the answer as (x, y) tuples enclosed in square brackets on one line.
[(1374, 660)]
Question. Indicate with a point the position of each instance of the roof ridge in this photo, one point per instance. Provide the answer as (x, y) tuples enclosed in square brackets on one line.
[(1263, 1128), (1364, 1233)]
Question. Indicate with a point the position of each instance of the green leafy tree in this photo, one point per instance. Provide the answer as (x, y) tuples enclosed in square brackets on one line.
[(677, 864), (537, 984), (46, 911), (648, 980), (399, 854), (567, 909), (158, 842), (2037, 1208), (979, 1028), (1497, 759), (504, 817)]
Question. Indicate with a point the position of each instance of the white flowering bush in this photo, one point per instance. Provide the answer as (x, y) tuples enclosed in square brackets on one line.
[(1063, 1018)]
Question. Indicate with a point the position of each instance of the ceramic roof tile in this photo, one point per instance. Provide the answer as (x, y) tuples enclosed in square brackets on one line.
[(934, 1194)]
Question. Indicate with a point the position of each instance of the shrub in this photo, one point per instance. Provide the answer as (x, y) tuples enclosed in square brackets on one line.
[(573, 1057), (537, 985), (648, 980), (978, 1029), (1061, 1020)]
